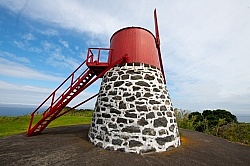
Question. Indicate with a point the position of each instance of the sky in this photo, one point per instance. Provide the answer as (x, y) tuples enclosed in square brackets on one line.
[(205, 47)]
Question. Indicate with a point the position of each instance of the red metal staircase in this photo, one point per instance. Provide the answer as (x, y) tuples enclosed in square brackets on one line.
[(94, 70)]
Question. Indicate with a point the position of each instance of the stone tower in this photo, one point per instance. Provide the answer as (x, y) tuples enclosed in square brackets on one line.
[(133, 111)]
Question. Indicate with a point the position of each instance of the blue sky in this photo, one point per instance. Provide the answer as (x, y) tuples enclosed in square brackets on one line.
[(205, 47)]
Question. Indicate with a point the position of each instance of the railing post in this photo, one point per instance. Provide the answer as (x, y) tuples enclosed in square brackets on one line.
[(31, 121), (72, 79), (98, 60), (52, 100)]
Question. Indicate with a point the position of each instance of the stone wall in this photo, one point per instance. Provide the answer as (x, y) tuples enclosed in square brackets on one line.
[(133, 111)]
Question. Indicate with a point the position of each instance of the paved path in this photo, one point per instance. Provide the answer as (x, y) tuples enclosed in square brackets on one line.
[(70, 146)]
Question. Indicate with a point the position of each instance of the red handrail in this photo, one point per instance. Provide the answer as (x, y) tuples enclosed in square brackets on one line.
[(54, 92), (90, 58)]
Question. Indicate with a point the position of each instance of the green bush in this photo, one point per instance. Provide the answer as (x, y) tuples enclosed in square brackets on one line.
[(218, 122)]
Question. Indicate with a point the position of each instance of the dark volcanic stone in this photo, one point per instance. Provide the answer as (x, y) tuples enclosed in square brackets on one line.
[(105, 115), (107, 87), (138, 94), (104, 129), (131, 129), (150, 115), (121, 120), (106, 99), (112, 93), (126, 94), (117, 98), (107, 139), (148, 95), (134, 143), (159, 114), (120, 72), (171, 128), (99, 121), (113, 78), (159, 80), (163, 108), (132, 98), (130, 115), (111, 125), (162, 131), (153, 102), (135, 88), (128, 84), (115, 111), (92, 135), (124, 77), (142, 83), (116, 141), (142, 122), (162, 141), (136, 77), (167, 102), (169, 114), (160, 122), (142, 108), (148, 131), (133, 72), (162, 97), (149, 77), (118, 83), (122, 105), (156, 90), (97, 109)]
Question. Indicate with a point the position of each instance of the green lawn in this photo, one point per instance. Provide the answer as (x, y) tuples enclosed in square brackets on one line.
[(19, 124)]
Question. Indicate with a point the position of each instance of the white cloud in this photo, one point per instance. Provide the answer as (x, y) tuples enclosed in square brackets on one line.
[(57, 59), (32, 95), (13, 69), (26, 46), (14, 57), (49, 32), (64, 43), (47, 46), (29, 36), (205, 44), (19, 44)]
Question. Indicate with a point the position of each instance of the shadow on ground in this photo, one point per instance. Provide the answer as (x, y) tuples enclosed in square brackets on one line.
[(69, 146)]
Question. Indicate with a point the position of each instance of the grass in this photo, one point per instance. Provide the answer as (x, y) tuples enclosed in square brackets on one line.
[(19, 124)]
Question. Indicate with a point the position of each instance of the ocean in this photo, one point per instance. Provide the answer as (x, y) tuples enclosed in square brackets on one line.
[(27, 110)]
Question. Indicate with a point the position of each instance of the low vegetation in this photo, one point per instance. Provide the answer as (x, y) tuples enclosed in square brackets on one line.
[(218, 122), (14, 125)]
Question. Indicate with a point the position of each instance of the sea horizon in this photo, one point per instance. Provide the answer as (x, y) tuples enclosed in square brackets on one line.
[(21, 110)]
